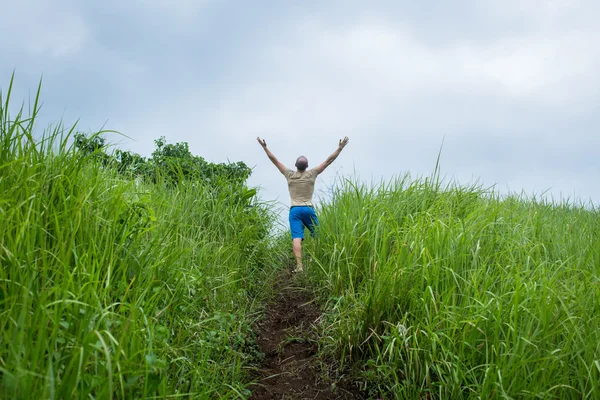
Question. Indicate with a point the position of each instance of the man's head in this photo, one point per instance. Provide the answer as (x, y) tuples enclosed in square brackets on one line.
[(302, 163)]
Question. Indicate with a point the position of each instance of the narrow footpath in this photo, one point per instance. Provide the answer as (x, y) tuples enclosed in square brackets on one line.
[(291, 368)]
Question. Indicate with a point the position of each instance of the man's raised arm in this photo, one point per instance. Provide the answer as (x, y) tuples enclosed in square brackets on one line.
[(333, 156), (272, 157)]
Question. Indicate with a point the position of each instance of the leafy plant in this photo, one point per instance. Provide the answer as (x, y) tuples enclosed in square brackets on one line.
[(119, 280)]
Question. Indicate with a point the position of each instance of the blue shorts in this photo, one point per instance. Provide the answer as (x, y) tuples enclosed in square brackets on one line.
[(300, 217)]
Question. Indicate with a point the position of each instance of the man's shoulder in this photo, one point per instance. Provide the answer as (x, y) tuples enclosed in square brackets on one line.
[(313, 173), (288, 173)]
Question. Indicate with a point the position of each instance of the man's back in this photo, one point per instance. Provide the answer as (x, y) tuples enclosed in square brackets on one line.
[(301, 186)]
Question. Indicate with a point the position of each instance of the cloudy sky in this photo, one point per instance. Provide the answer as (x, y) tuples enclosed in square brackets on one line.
[(511, 88)]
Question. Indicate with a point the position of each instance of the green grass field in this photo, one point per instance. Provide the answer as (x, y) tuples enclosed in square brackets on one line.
[(444, 291), (113, 285)]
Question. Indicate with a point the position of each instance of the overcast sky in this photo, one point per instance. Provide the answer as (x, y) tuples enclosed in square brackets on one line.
[(510, 87)]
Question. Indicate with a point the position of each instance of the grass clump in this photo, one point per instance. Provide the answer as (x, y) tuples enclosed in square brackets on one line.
[(445, 291), (114, 286)]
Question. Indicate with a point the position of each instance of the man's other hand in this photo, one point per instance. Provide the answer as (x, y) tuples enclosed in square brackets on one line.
[(344, 142)]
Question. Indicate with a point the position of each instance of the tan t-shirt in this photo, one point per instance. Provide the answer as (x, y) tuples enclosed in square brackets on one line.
[(301, 186)]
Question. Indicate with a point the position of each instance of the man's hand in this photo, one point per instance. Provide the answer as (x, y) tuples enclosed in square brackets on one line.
[(344, 142), (263, 142)]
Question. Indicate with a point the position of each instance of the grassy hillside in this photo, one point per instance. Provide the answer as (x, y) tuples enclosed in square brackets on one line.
[(442, 291), (125, 277), (117, 287)]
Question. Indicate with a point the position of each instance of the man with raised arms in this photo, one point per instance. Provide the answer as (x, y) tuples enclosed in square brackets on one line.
[(301, 184)]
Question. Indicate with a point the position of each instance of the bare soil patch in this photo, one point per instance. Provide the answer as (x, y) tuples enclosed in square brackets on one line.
[(291, 369)]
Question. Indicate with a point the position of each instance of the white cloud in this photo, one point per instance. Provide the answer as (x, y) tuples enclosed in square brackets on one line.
[(180, 8), (536, 13), (321, 79), (43, 28)]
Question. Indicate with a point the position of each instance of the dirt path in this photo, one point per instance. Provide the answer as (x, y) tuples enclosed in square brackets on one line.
[(291, 369)]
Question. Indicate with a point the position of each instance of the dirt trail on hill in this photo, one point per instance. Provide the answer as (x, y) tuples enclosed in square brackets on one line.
[(291, 369)]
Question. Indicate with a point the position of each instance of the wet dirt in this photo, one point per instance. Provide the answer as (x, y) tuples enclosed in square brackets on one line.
[(291, 368)]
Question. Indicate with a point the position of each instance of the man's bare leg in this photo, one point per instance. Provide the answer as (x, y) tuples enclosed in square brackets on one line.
[(297, 247)]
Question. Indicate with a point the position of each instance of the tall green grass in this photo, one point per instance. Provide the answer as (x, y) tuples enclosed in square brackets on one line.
[(437, 290), (116, 288)]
